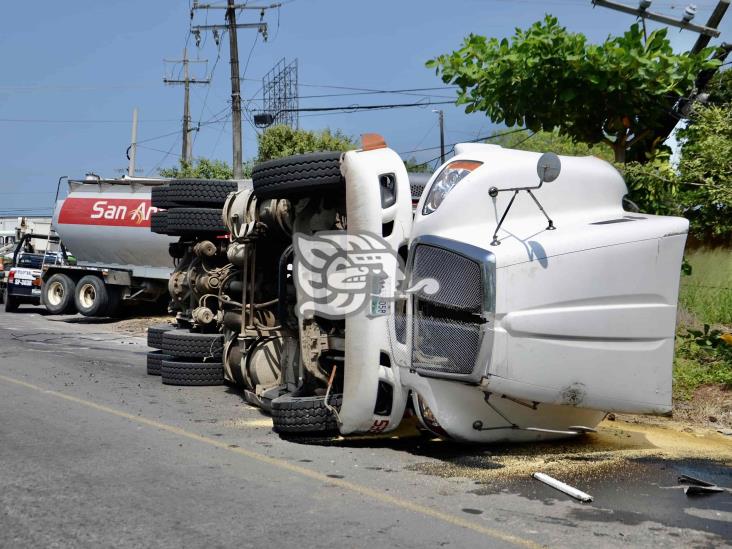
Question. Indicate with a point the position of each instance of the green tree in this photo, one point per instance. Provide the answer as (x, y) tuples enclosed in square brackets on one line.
[(414, 167), (705, 171), (546, 78), (278, 141), (553, 141), (202, 168)]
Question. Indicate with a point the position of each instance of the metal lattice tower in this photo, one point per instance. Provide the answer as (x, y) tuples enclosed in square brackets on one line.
[(280, 94)]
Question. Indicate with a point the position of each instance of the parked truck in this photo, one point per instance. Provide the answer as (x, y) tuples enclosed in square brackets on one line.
[(106, 224), (519, 302)]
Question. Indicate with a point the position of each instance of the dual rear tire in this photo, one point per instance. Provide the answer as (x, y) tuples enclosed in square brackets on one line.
[(93, 297)]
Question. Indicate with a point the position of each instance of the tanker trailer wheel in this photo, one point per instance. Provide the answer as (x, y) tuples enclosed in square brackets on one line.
[(298, 176), (199, 192), (194, 221), (155, 362), (91, 296), (155, 335), (293, 415), (181, 372), (159, 222), (58, 294), (159, 198), (186, 344)]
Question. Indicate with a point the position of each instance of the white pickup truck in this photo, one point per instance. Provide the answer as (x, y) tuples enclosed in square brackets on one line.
[(519, 302)]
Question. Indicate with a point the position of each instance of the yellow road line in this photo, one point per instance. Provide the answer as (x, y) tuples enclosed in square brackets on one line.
[(285, 465)]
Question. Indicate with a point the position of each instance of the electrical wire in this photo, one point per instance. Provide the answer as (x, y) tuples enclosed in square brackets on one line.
[(452, 145)]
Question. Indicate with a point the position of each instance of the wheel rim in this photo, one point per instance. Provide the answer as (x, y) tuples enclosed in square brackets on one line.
[(55, 295), (87, 295)]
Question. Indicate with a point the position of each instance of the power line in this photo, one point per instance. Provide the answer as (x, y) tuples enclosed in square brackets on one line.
[(452, 145), (76, 121)]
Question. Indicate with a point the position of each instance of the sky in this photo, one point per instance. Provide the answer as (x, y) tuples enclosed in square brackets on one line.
[(72, 72)]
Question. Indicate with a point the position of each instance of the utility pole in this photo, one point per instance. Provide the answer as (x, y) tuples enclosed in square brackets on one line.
[(642, 12), (187, 81), (706, 33), (232, 26), (133, 145), (235, 91), (713, 23), (441, 114)]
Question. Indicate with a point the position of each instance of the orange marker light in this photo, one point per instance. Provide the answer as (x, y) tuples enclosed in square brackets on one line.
[(371, 141)]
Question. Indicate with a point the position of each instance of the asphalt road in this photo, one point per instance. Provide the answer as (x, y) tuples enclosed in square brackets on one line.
[(94, 452)]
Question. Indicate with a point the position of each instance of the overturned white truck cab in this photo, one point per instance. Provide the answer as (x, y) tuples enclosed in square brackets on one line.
[(528, 304)]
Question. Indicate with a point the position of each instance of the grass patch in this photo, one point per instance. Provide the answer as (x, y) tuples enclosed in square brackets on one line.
[(707, 292), (705, 297)]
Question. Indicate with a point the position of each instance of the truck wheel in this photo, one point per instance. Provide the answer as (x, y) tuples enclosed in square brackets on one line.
[(159, 198), (176, 372), (187, 221), (200, 192), (91, 296), (159, 222), (299, 175), (155, 362), (11, 303), (303, 415), (155, 335), (58, 294), (185, 344)]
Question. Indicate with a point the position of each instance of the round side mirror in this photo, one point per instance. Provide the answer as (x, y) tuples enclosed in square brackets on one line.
[(548, 167)]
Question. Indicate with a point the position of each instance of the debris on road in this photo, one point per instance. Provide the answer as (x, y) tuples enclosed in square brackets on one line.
[(562, 487), (698, 487)]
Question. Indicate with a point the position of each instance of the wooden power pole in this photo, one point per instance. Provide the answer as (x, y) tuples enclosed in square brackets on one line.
[(186, 82), (231, 26)]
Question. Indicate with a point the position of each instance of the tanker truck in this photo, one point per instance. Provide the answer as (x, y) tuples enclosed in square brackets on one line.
[(519, 302), (105, 223)]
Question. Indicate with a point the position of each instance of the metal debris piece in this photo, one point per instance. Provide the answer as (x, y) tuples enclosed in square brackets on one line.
[(695, 490), (562, 487), (686, 479)]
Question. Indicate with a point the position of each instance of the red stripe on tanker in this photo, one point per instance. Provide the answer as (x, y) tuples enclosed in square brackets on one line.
[(116, 212)]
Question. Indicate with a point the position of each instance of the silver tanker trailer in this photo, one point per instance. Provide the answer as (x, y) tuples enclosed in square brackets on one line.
[(106, 224)]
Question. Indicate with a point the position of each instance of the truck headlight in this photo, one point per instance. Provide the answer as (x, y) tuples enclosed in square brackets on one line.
[(450, 176)]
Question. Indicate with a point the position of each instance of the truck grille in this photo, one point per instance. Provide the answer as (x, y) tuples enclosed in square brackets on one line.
[(459, 278), (446, 334)]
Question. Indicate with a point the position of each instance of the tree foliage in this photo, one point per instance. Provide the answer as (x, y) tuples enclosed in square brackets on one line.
[(274, 142), (618, 92), (553, 141), (705, 170), (279, 141), (201, 168)]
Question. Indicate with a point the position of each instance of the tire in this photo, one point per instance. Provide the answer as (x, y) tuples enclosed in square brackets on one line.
[(191, 221), (155, 362), (159, 198), (91, 296), (11, 303), (304, 415), (115, 298), (58, 294), (185, 344), (155, 335), (296, 176), (176, 372), (159, 222), (200, 192)]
